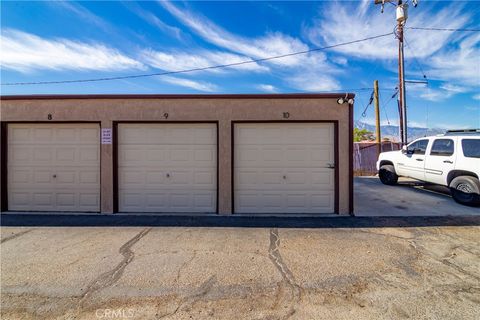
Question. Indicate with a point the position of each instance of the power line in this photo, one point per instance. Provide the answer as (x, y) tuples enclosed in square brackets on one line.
[(198, 69), (415, 58), (444, 29), (364, 113), (384, 105)]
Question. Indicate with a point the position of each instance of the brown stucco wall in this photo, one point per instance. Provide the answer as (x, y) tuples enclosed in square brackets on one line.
[(222, 109)]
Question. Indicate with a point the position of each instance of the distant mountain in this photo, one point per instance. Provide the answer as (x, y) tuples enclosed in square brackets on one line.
[(393, 132)]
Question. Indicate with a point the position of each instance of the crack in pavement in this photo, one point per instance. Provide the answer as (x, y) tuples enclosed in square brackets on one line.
[(110, 277), (200, 292), (184, 265), (287, 275), (446, 262), (13, 236)]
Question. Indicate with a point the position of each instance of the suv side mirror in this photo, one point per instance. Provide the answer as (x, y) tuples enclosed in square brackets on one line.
[(404, 149)]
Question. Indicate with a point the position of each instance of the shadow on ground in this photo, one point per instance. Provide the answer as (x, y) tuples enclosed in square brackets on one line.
[(122, 220)]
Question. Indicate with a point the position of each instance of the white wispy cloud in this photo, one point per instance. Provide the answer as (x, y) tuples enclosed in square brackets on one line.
[(25, 52), (338, 22), (442, 93), (453, 88), (187, 83), (306, 72), (154, 20), (267, 88), (314, 82), (476, 96), (435, 95), (458, 64), (174, 61), (272, 44), (83, 13)]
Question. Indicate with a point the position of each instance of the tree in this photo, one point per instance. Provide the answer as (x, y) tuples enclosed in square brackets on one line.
[(362, 135)]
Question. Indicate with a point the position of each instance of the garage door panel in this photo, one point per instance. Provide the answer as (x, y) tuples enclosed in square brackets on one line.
[(157, 200), (65, 199), (286, 156), (89, 177), (283, 202), (66, 134), (323, 178), (283, 167), (206, 178), (19, 154), (21, 199), (284, 179), (88, 154), (51, 165), (157, 153), (322, 202), (20, 176), (155, 178), (131, 201), (168, 201), (43, 154), (322, 154), (19, 134), (295, 154), (65, 154), (129, 177), (168, 156), (172, 169), (89, 199), (43, 199)]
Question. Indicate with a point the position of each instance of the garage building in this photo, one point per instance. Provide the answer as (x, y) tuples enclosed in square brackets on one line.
[(240, 154)]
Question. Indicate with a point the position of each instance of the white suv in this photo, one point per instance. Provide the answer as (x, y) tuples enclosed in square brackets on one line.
[(452, 160)]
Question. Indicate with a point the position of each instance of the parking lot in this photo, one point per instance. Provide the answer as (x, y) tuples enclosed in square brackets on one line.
[(240, 273), (408, 198), (400, 267)]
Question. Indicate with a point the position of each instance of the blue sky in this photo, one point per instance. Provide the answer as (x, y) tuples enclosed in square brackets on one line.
[(48, 41)]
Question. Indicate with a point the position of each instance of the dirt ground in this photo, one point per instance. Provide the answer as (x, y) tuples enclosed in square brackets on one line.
[(240, 273)]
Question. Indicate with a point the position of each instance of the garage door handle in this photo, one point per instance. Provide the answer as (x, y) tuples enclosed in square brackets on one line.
[(54, 175), (168, 175)]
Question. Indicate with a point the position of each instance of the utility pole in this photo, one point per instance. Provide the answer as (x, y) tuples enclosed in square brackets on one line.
[(402, 16), (377, 117), (401, 72)]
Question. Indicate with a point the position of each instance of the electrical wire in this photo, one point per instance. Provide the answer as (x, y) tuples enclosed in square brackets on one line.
[(198, 69), (444, 29), (384, 105), (415, 58), (364, 113)]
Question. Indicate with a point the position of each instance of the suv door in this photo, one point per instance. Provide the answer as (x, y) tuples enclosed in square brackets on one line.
[(440, 160), (412, 162)]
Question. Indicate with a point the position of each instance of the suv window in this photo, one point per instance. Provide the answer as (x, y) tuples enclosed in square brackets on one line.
[(418, 147), (471, 148), (442, 147)]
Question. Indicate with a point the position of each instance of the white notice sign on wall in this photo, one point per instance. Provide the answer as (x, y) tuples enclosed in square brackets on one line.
[(106, 136)]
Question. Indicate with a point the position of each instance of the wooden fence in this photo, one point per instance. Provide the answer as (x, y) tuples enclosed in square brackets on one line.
[(365, 155)]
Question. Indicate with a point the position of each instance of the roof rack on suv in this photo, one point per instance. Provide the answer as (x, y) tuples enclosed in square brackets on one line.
[(462, 132)]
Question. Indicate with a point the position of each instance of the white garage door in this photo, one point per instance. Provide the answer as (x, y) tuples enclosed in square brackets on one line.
[(284, 168), (53, 167), (167, 167)]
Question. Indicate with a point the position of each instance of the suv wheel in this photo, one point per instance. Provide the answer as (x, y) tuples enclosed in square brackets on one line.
[(465, 190), (388, 175)]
